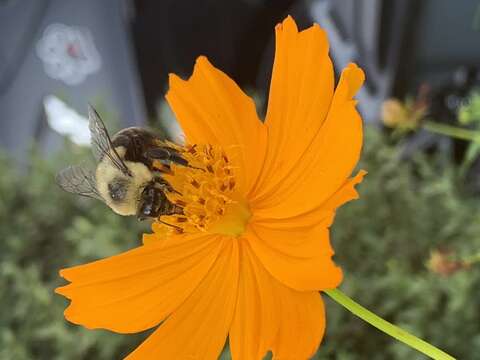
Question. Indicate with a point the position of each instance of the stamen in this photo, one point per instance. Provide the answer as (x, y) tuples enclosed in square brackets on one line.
[(195, 183), (180, 203), (206, 191)]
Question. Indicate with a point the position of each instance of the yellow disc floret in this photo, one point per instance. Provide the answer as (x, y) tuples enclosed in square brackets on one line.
[(206, 191)]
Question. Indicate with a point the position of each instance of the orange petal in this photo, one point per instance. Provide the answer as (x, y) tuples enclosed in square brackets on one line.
[(303, 314), (271, 316), (326, 210), (199, 327), (346, 193), (301, 91), (212, 109), (300, 259), (255, 323), (329, 160), (136, 290)]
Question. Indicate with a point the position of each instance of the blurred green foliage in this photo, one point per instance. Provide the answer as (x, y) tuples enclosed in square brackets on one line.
[(382, 242), (469, 113), (43, 229)]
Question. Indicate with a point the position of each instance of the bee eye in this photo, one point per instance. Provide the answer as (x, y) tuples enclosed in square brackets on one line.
[(117, 190)]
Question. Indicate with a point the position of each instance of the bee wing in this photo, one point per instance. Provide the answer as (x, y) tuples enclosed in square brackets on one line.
[(101, 143), (78, 180)]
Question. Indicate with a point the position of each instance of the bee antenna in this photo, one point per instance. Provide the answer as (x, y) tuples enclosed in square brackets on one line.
[(174, 226)]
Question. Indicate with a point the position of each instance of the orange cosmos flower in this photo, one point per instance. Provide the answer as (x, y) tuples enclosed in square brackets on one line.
[(251, 250)]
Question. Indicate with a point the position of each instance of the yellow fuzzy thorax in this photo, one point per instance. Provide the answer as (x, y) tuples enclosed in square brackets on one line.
[(206, 190), (106, 174)]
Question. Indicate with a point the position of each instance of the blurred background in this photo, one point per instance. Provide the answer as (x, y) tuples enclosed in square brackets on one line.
[(409, 247)]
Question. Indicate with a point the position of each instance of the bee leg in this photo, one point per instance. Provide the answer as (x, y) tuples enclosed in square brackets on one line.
[(164, 186), (153, 201), (178, 229), (167, 154)]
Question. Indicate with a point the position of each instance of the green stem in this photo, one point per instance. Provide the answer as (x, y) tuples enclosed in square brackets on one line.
[(472, 259), (386, 327), (452, 131)]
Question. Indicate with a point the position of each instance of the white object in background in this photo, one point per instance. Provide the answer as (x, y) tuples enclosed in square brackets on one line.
[(66, 121), (68, 53)]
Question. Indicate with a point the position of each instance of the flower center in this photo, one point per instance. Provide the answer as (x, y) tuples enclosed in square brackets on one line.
[(206, 191)]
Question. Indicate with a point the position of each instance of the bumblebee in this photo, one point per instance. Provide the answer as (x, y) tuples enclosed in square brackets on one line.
[(125, 178)]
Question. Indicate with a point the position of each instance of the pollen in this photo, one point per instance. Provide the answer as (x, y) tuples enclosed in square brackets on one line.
[(206, 190)]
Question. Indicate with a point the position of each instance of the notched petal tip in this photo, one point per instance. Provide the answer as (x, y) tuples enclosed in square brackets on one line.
[(319, 32), (316, 35), (202, 60), (174, 82), (358, 178), (69, 315), (66, 273), (75, 318), (62, 290), (173, 78), (288, 24), (346, 193), (355, 181), (352, 79), (202, 65), (336, 277), (361, 174)]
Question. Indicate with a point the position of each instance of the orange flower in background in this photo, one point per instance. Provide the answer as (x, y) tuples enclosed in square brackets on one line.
[(251, 251)]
